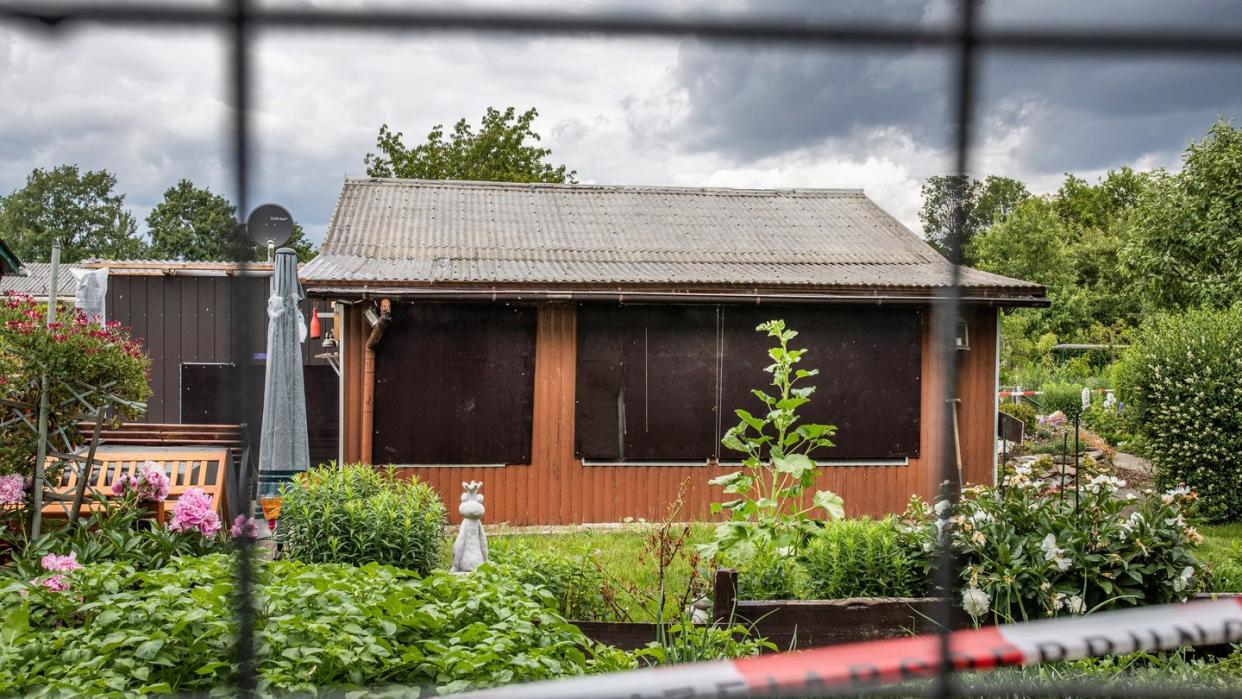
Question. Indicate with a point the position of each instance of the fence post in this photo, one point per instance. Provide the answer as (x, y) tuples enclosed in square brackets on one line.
[(724, 595)]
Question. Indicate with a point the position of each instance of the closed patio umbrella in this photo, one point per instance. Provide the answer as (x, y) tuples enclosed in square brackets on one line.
[(283, 450)]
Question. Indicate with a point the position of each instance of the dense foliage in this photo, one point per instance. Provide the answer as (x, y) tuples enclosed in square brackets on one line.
[(573, 580), (1033, 551), (982, 203), (78, 355), (768, 522), (194, 223), (318, 628), (1108, 252), (1182, 381), (116, 534), (498, 152), (858, 558), (359, 514), (77, 207)]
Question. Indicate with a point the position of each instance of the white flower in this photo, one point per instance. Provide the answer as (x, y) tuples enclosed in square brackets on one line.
[(1105, 483), (1050, 548), (1182, 581), (1058, 601), (1062, 564), (1075, 604), (980, 517), (941, 506), (976, 602)]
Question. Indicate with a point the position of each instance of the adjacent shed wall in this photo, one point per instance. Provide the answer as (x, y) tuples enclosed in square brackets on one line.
[(555, 488)]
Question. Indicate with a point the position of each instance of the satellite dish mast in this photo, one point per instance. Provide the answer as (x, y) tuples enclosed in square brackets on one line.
[(270, 225)]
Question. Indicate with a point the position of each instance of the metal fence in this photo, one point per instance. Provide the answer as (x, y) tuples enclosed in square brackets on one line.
[(963, 39)]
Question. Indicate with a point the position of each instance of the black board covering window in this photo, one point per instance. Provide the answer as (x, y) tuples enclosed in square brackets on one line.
[(454, 384), (660, 383), (646, 382)]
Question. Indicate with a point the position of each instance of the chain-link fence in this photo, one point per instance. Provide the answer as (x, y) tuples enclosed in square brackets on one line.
[(963, 39)]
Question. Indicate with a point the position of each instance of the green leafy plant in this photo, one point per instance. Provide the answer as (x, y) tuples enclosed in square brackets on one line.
[(575, 581), (858, 558), (1063, 397), (319, 627), (1022, 411), (768, 522), (358, 514), (114, 533), (1182, 383), (1034, 552)]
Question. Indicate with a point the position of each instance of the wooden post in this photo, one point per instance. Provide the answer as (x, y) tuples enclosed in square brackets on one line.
[(724, 596)]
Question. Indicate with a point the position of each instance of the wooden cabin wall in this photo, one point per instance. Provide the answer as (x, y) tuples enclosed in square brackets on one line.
[(555, 488)]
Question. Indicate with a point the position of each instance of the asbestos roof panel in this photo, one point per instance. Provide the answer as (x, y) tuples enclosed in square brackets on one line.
[(420, 231)]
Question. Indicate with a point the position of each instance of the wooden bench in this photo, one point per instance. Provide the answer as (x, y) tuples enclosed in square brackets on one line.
[(204, 468)]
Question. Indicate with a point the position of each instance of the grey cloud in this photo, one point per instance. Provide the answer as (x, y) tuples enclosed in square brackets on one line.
[(1083, 112)]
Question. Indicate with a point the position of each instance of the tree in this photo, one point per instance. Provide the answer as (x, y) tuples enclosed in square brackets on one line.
[(78, 208), (1186, 247), (193, 223), (497, 153), (983, 204)]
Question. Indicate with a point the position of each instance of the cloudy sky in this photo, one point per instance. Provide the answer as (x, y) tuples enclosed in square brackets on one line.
[(151, 106)]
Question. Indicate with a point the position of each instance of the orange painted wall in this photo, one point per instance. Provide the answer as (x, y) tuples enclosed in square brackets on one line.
[(555, 488)]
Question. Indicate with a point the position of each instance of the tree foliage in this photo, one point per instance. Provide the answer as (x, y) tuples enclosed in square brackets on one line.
[(983, 203), (194, 223), (498, 152), (78, 208), (1186, 247)]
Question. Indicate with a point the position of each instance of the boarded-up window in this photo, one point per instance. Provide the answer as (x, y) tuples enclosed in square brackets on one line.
[(454, 384), (647, 382), (661, 382)]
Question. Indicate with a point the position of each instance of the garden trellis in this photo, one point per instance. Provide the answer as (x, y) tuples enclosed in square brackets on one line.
[(964, 39)]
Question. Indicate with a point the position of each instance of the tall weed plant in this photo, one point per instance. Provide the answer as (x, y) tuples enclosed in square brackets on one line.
[(358, 514), (1182, 383)]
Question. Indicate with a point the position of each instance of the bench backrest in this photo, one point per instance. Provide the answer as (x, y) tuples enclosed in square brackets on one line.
[(206, 469)]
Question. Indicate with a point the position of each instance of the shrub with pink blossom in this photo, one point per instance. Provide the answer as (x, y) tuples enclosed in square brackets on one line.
[(194, 511), (61, 564), (244, 528), (80, 356)]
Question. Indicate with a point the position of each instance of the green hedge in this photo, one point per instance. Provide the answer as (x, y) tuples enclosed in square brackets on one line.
[(358, 514), (319, 628), (1182, 383)]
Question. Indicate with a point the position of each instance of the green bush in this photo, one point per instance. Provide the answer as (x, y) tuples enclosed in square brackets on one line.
[(858, 558), (1108, 423), (1032, 552), (1065, 397), (1182, 383), (319, 628), (358, 514), (573, 580), (1023, 411)]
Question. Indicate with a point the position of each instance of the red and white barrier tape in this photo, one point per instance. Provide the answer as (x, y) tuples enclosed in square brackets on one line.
[(860, 665), (1010, 394)]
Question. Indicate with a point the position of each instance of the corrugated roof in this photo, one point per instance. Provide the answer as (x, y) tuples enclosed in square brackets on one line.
[(38, 278), (394, 232)]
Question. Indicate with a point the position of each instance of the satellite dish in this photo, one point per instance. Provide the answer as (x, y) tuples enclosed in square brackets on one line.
[(270, 224)]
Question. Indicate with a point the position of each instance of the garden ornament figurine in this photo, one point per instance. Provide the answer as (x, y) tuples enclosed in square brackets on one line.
[(470, 549)]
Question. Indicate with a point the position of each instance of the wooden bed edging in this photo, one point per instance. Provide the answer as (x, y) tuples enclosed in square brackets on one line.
[(800, 624)]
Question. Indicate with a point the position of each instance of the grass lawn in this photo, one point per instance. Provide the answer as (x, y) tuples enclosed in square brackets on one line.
[(621, 556), (1222, 550)]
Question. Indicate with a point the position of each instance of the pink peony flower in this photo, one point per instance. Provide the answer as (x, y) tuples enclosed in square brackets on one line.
[(244, 528), (55, 583), (193, 511), (153, 482), (12, 489), (62, 564)]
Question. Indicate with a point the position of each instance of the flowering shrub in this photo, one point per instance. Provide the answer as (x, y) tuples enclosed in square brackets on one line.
[(1181, 379), (77, 354), (151, 483), (1031, 553), (193, 511)]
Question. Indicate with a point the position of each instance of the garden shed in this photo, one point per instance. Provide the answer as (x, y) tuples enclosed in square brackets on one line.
[(580, 348), (9, 264)]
